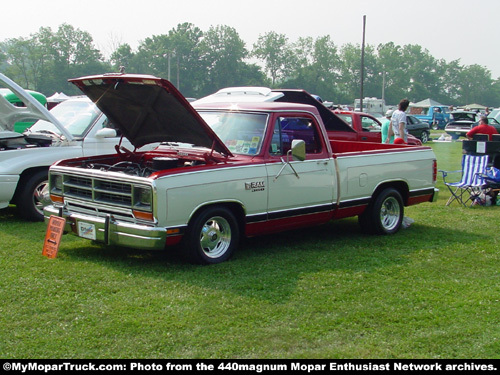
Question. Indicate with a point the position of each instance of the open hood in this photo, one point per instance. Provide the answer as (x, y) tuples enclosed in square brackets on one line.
[(148, 109), (10, 114)]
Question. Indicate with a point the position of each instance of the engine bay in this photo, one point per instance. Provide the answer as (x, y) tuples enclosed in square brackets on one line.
[(10, 140), (141, 164)]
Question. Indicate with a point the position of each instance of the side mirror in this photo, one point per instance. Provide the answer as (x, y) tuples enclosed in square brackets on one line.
[(106, 133), (298, 150)]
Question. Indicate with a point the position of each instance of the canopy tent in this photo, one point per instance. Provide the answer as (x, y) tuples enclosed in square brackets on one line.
[(475, 106), (58, 97), (426, 103), (55, 99)]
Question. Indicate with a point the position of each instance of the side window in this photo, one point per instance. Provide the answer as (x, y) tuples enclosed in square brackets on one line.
[(286, 129), (369, 125), (276, 142)]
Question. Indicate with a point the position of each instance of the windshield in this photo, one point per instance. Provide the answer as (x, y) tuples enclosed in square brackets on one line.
[(75, 115), (460, 116), (242, 133)]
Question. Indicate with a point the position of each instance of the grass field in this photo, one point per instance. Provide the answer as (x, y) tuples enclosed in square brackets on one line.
[(430, 291)]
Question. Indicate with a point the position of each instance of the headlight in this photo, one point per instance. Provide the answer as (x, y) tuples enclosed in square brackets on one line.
[(56, 183), (142, 197)]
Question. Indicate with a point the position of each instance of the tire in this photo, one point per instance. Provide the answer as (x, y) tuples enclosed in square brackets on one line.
[(384, 215), (33, 196), (424, 137), (212, 236)]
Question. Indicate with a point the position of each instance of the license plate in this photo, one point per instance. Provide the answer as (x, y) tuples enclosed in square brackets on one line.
[(86, 230)]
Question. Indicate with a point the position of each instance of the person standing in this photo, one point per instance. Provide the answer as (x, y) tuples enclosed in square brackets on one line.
[(398, 123), (385, 126)]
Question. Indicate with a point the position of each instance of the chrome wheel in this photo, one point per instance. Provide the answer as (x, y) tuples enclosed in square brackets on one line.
[(215, 237), (212, 236), (384, 214), (41, 196), (390, 214)]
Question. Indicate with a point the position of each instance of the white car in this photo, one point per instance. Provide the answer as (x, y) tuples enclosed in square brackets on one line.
[(74, 128)]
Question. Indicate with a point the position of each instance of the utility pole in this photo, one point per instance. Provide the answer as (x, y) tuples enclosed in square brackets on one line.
[(383, 84), (362, 66)]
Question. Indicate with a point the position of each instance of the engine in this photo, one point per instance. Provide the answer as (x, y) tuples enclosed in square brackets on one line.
[(134, 166)]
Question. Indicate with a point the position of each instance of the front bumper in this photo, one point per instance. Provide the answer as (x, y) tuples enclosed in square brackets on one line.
[(110, 231)]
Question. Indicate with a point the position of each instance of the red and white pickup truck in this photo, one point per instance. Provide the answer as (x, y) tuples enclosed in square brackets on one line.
[(226, 170)]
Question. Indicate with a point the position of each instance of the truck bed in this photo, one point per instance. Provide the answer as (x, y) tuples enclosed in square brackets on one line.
[(340, 147)]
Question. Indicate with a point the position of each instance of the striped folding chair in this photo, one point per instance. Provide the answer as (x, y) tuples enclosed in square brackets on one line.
[(471, 182)]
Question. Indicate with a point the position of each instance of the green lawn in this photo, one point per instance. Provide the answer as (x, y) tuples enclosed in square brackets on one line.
[(430, 291)]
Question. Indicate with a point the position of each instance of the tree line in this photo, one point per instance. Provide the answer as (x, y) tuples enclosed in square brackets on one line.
[(201, 62)]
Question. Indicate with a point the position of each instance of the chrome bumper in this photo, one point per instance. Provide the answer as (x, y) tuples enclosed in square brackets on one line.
[(110, 231)]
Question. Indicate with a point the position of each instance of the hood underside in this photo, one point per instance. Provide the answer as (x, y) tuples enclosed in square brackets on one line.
[(148, 109), (10, 114)]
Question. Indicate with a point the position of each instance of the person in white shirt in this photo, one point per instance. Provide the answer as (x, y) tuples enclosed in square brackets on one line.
[(398, 124)]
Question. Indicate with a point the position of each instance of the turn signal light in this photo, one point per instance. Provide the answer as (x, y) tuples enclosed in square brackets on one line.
[(56, 198), (143, 215)]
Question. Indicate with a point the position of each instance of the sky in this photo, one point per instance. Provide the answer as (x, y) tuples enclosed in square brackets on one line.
[(462, 30)]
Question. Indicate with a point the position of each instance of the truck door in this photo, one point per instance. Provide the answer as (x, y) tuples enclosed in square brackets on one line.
[(299, 190)]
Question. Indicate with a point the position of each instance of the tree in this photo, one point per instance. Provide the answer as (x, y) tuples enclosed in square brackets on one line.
[(350, 72), (476, 85), (123, 56), (185, 39), (73, 46), (315, 67), (199, 63), (274, 50), (222, 52)]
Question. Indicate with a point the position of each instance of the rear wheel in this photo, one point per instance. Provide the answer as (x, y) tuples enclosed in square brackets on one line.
[(212, 236), (384, 215), (424, 136)]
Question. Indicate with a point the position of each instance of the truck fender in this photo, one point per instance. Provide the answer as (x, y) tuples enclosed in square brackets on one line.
[(236, 207)]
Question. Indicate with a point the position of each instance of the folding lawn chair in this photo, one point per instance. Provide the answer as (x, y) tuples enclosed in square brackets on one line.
[(469, 187)]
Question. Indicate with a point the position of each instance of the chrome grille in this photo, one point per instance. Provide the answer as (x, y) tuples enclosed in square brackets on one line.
[(90, 193)]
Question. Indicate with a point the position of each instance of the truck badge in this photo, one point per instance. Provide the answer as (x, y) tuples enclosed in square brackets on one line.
[(255, 186)]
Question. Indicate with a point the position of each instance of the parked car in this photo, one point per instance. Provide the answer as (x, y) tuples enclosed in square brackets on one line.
[(495, 114), (22, 122), (418, 128), (462, 122), (74, 128)]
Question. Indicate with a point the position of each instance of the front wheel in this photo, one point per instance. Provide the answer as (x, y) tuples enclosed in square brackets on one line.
[(384, 215), (34, 196), (212, 236)]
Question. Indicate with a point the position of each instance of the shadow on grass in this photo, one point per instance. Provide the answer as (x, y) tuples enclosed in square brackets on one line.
[(269, 267)]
